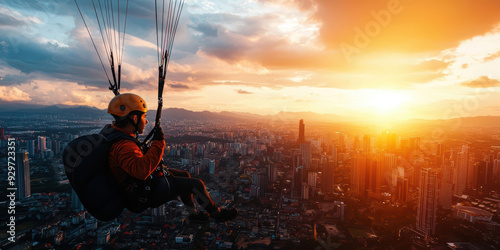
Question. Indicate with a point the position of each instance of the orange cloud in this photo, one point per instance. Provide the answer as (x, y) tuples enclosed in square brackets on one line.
[(482, 82), (13, 94), (401, 25)]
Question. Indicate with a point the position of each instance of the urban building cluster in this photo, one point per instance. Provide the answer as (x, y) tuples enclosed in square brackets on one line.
[(326, 186)]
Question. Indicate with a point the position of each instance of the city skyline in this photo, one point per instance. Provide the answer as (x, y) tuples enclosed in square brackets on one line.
[(392, 188), (383, 60)]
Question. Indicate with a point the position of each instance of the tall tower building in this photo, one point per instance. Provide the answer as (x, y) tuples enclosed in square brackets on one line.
[(428, 194), (402, 189), (272, 173), (305, 150), (358, 175), (304, 191), (30, 145), (211, 167), (366, 145), (2, 134), (302, 137), (42, 144), (312, 179), (23, 187), (327, 177), (298, 179), (461, 166)]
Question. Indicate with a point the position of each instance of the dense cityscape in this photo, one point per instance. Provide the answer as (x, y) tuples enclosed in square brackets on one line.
[(297, 184)]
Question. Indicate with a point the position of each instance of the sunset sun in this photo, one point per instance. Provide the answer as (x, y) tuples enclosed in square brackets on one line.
[(383, 102)]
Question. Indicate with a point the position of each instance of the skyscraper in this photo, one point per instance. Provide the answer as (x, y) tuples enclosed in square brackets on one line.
[(366, 144), (23, 187), (76, 204), (402, 189), (305, 150), (312, 179), (461, 166), (42, 144), (298, 179), (302, 137), (30, 146), (327, 177), (428, 194), (211, 167), (358, 175)]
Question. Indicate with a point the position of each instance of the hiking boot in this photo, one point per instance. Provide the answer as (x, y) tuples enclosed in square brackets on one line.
[(199, 217), (226, 214)]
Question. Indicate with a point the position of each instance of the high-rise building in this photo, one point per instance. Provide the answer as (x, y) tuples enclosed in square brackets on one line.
[(389, 162), (305, 150), (480, 176), (373, 178), (2, 134), (358, 175), (304, 192), (23, 187), (302, 137), (366, 145), (42, 144), (48, 143), (30, 147), (298, 179), (428, 194), (402, 189), (158, 214), (327, 177), (277, 156), (496, 172), (56, 146), (211, 167), (76, 204), (461, 167), (312, 178), (272, 173)]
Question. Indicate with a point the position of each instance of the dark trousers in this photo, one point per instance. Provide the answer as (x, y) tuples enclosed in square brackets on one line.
[(180, 183)]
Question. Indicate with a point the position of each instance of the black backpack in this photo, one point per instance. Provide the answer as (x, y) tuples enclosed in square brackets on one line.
[(86, 163)]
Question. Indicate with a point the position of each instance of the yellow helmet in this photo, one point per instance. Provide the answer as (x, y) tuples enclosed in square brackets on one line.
[(123, 104)]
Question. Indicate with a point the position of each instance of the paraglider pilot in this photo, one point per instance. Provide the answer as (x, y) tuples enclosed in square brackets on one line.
[(145, 184)]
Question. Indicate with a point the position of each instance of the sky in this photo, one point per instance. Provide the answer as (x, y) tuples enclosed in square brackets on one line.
[(379, 60)]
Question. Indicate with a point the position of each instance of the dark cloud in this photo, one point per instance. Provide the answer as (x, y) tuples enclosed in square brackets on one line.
[(240, 91), (6, 20), (482, 82), (10, 79), (178, 86), (206, 29)]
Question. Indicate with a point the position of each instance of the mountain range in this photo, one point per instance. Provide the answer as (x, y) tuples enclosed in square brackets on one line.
[(183, 114)]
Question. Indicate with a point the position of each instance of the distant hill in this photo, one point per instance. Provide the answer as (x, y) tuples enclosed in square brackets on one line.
[(62, 110), (478, 122), (177, 114)]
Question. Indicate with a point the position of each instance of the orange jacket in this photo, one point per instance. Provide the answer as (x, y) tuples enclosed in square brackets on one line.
[(126, 158)]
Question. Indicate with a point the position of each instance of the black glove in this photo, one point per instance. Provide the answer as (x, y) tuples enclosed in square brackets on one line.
[(158, 135)]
